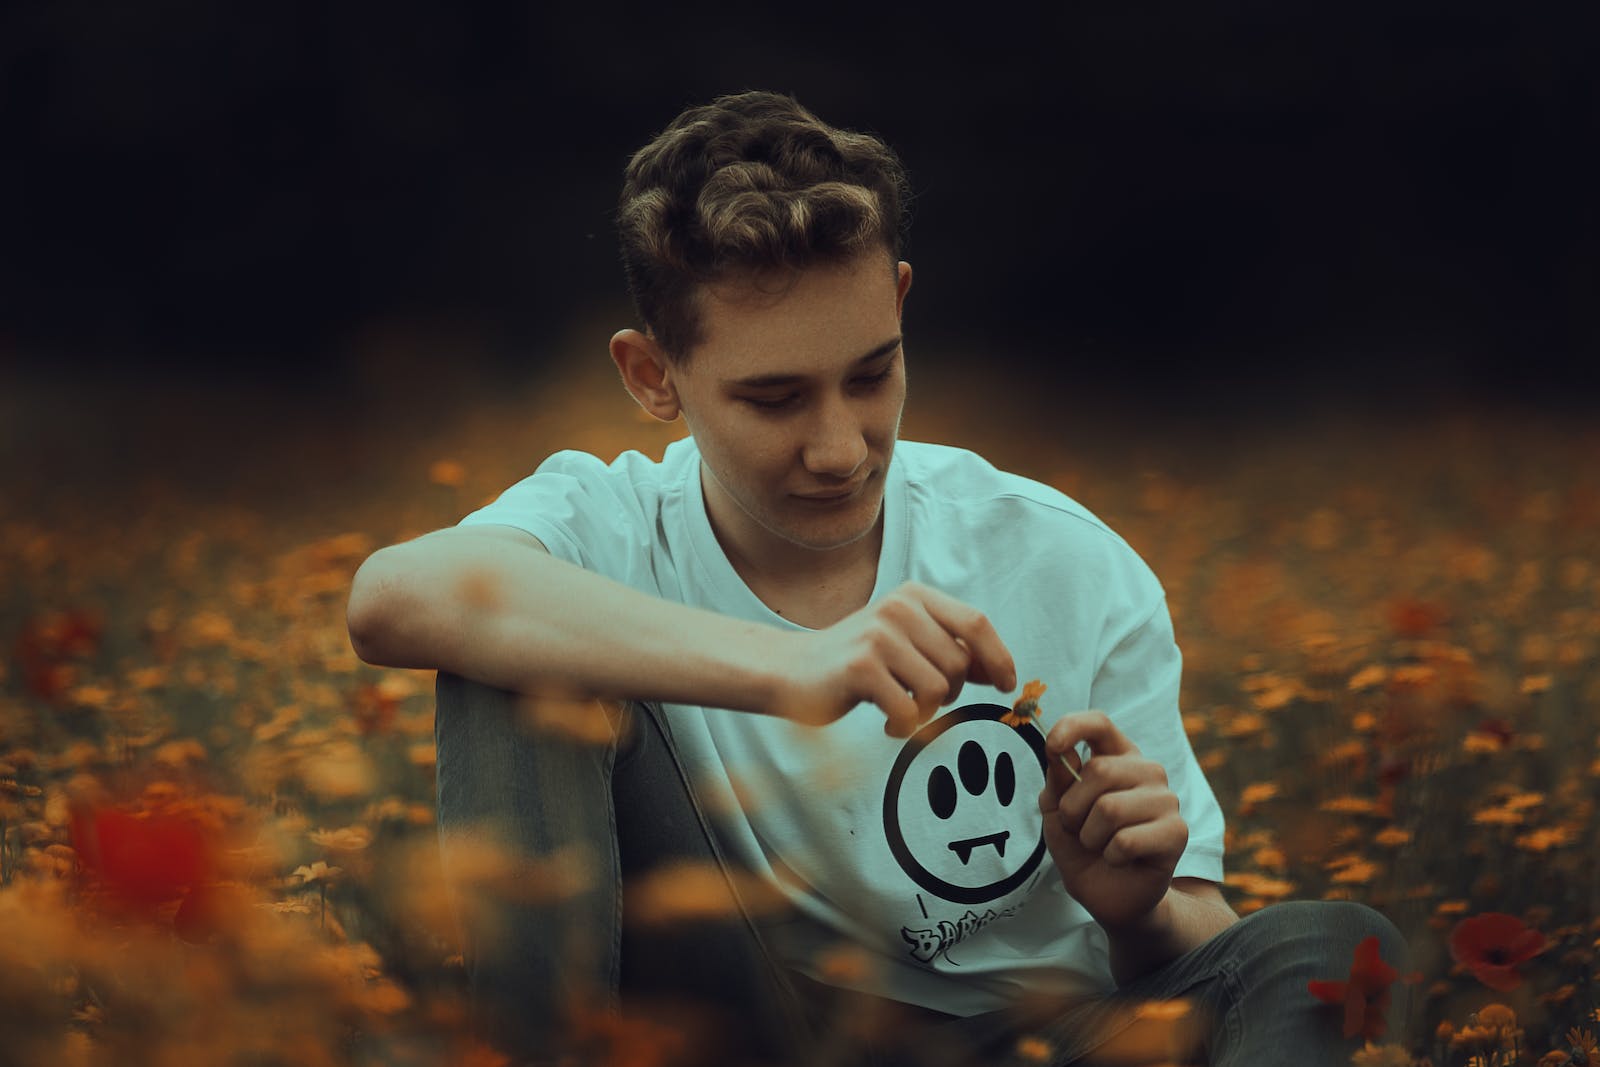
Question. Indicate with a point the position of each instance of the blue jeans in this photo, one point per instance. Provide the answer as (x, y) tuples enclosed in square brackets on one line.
[(552, 943)]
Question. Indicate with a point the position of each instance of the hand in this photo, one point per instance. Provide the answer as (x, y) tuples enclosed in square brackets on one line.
[(910, 653), (1115, 836)]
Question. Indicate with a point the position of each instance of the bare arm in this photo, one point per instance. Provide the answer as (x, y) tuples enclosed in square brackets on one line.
[(491, 604)]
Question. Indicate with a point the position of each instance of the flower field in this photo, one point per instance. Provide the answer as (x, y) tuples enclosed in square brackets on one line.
[(216, 824)]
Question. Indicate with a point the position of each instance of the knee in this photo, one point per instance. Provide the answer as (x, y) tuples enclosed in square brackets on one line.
[(1323, 934)]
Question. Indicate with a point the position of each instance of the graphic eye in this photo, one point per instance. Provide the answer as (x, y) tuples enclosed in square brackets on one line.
[(973, 763), (942, 792), (1005, 779)]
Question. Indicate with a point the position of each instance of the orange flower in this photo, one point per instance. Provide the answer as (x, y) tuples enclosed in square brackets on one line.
[(1491, 946), (1365, 994), (1026, 709)]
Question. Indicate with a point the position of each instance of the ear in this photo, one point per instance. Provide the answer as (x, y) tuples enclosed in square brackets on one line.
[(902, 287), (646, 374)]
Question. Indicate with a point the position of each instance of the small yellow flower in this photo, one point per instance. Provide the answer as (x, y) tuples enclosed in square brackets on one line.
[(1583, 1041), (1380, 1056), (1034, 1049), (1497, 1015)]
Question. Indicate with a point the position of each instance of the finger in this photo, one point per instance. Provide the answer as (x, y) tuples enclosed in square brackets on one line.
[(1108, 774), (901, 715), (1061, 776), (1115, 811), (929, 686), (1161, 842), (907, 619), (1093, 727), (977, 633)]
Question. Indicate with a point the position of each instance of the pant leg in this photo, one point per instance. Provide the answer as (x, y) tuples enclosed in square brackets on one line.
[(528, 846), (541, 832), (710, 972), (1247, 992), (1260, 1004)]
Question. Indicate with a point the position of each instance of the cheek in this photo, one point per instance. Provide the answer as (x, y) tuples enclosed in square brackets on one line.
[(757, 458)]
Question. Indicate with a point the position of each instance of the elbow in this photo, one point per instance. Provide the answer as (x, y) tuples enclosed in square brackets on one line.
[(369, 612)]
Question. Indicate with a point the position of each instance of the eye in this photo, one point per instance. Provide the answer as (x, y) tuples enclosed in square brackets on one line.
[(777, 404), (876, 380)]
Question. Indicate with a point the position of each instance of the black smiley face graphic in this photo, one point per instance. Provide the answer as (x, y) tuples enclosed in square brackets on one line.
[(958, 809)]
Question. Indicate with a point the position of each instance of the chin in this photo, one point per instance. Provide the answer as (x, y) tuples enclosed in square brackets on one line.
[(836, 534)]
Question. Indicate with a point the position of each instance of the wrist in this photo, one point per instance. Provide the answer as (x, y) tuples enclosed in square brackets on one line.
[(1158, 918), (758, 665)]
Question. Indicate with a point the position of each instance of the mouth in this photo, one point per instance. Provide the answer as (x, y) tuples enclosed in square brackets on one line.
[(835, 496), (963, 849)]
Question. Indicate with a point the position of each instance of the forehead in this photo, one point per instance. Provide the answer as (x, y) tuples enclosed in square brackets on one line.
[(797, 320)]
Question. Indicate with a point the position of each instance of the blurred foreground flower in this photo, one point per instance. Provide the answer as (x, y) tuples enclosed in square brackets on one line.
[(48, 641), (1370, 1055), (1491, 946), (689, 892), (142, 860), (1365, 994)]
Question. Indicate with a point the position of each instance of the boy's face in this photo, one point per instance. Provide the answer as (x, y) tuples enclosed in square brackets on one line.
[(794, 398)]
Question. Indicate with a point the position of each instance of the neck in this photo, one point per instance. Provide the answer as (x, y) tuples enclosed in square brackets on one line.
[(767, 562)]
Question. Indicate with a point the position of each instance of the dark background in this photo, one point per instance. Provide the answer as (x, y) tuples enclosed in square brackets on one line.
[(1193, 203)]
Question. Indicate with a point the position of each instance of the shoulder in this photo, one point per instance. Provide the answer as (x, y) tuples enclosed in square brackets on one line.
[(586, 510), (959, 482), (633, 481), (628, 468), (957, 497)]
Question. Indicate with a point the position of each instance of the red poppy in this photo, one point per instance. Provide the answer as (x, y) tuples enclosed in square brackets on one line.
[(1365, 995), (1498, 729), (47, 641), (142, 860), (374, 709), (1413, 617), (1491, 946)]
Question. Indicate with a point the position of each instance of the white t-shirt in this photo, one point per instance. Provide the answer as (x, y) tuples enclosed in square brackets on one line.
[(928, 853)]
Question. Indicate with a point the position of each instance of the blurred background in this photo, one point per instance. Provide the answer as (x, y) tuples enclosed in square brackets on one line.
[(1208, 209), (1301, 299)]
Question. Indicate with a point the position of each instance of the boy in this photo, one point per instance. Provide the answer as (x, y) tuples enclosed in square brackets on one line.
[(786, 602)]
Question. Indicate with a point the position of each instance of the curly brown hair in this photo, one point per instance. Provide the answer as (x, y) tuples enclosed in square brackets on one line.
[(746, 185)]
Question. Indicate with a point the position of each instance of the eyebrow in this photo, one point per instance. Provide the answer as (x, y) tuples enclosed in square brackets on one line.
[(769, 381)]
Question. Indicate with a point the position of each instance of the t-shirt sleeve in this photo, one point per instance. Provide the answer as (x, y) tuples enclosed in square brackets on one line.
[(1137, 684), (584, 512)]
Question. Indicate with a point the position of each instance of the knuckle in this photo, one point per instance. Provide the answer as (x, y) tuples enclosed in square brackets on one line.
[(906, 595), (978, 624), (858, 672)]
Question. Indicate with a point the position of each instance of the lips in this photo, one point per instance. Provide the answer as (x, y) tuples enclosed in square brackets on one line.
[(963, 849), (836, 495)]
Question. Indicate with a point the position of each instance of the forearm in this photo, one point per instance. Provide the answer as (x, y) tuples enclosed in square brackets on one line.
[(523, 620), (1179, 924)]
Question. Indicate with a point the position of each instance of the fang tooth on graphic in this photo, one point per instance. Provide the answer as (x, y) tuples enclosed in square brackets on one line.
[(963, 849)]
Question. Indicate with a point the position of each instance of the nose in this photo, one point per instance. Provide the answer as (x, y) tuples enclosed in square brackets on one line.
[(835, 445)]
